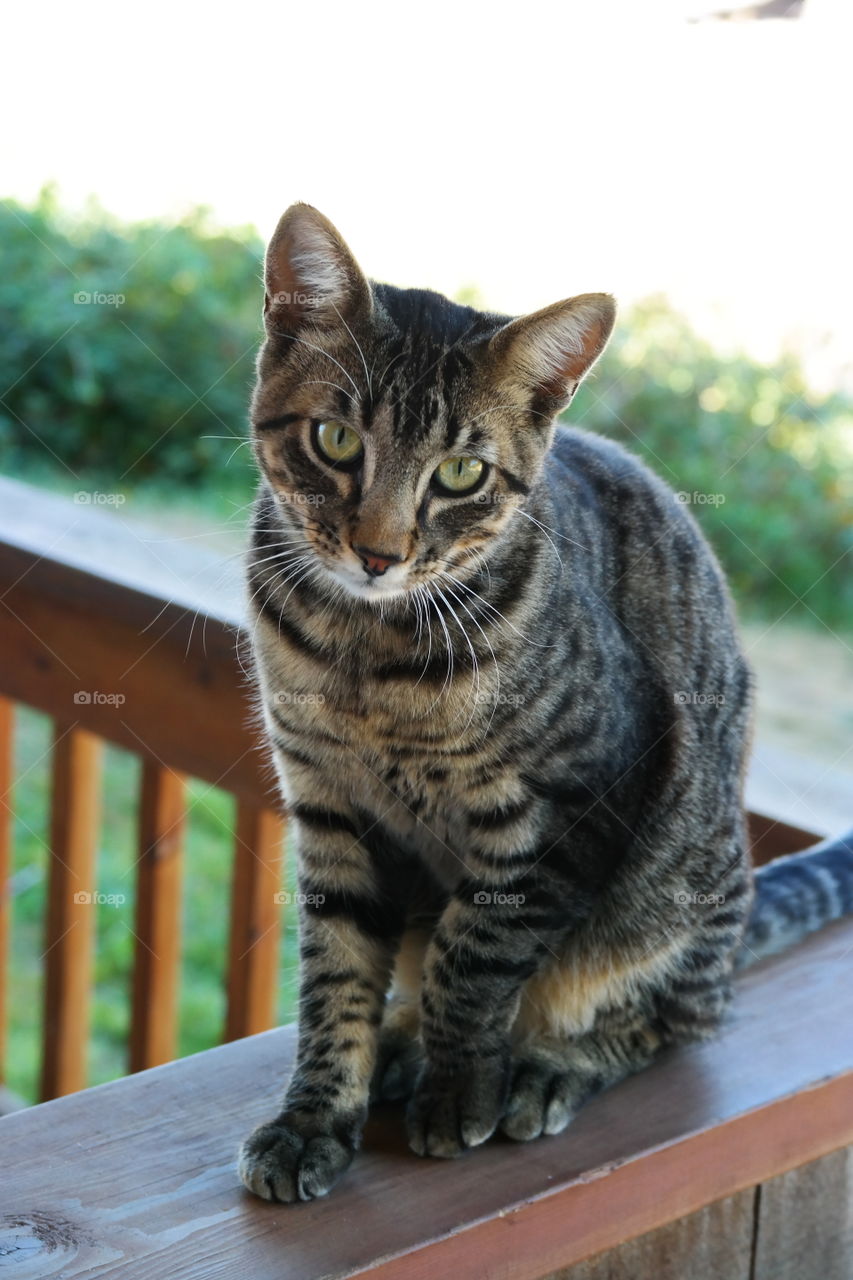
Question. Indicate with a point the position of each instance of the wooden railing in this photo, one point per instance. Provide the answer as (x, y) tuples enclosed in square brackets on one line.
[(698, 1156), (124, 642), (136, 641)]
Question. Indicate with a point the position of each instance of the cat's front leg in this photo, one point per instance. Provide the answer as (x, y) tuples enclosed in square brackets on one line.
[(486, 945), (350, 920)]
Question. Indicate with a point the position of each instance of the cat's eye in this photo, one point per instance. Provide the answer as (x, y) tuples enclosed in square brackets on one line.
[(337, 442), (458, 475)]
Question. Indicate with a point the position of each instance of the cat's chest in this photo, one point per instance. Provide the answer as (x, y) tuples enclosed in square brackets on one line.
[(417, 787), (426, 817), (409, 757)]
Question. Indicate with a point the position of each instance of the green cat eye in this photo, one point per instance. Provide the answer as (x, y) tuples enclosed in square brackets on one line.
[(457, 475), (338, 442)]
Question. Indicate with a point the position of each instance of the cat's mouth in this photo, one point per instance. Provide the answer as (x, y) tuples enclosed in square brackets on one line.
[(393, 583)]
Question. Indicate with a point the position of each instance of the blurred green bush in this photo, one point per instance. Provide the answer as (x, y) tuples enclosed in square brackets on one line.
[(135, 390), (132, 344), (765, 464)]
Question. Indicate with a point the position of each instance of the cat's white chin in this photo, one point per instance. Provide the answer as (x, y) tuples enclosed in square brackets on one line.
[(373, 590)]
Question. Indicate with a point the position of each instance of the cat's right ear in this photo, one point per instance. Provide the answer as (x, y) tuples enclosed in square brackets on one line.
[(546, 354), (310, 275)]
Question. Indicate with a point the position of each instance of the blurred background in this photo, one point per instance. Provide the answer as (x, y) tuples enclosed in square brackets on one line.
[(690, 160)]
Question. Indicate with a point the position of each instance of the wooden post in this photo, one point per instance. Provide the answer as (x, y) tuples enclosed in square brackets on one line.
[(255, 922), (75, 820), (7, 744), (162, 819)]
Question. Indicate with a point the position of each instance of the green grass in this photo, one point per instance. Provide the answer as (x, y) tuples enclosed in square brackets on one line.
[(206, 898)]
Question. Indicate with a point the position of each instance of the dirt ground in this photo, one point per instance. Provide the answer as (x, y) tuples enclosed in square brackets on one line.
[(804, 691)]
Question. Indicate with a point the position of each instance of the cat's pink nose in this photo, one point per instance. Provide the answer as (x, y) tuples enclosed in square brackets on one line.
[(375, 562)]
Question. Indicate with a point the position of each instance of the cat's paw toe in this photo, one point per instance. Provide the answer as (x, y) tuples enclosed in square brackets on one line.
[(278, 1162), (450, 1112), (399, 1064), (542, 1100)]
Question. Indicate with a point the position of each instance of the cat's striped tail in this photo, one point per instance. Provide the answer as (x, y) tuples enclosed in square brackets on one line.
[(797, 895)]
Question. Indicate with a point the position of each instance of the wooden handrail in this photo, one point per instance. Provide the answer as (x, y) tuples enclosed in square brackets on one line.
[(773, 1091), (87, 607), (90, 605)]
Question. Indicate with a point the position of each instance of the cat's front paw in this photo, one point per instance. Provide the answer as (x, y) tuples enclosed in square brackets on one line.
[(543, 1099), (399, 1062), (290, 1160), (451, 1111)]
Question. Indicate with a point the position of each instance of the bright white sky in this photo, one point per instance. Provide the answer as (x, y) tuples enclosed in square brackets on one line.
[(533, 150)]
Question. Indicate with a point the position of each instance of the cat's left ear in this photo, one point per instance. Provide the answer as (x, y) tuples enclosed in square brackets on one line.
[(548, 352), (310, 275)]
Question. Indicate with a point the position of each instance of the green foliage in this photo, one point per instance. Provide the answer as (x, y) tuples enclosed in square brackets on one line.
[(135, 382), (765, 464), (129, 396)]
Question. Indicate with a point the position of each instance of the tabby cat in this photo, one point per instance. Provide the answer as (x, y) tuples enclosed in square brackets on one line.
[(510, 713)]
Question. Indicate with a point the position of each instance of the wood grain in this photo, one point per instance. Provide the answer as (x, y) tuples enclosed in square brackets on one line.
[(74, 826), (805, 1222), (137, 1177), (64, 630), (256, 909), (713, 1244), (157, 951)]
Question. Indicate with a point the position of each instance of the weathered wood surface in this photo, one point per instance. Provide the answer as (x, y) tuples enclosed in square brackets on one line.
[(714, 1243), (122, 648), (805, 1222), (798, 1226), (136, 1178)]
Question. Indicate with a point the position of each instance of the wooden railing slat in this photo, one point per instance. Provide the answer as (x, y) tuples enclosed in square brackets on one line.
[(75, 820), (162, 820), (255, 922), (7, 729)]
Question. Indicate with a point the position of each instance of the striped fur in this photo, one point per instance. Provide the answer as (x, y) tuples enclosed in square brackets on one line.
[(515, 757), (796, 896)]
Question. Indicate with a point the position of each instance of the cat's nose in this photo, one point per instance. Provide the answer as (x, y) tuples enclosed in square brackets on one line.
[(375, 562)]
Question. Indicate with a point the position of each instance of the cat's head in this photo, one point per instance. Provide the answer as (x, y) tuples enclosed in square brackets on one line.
[(400, 431)]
